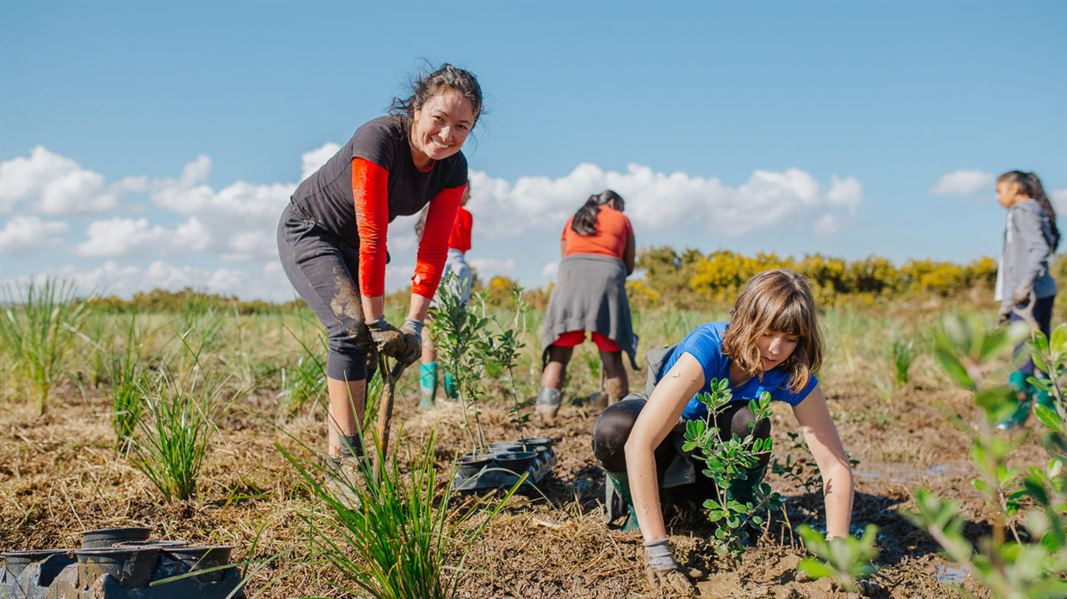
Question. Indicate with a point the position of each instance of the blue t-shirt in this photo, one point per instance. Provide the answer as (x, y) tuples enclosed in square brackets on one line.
[(705, 344)]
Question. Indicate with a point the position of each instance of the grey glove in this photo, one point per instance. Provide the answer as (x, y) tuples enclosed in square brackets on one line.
[(403, 346), (663, 573)]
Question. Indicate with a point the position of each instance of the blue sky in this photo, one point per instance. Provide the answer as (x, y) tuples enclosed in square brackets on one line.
[(788, 127)]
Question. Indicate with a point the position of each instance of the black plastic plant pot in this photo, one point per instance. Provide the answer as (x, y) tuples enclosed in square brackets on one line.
[(17, 561), (535, 443), (202, 557), (516, 461), (106, 537), (157, 543), (470, 464), (499, 446), (131, 567)]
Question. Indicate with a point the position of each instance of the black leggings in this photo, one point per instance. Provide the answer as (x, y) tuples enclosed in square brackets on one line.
[(324, 270), (613, 427)]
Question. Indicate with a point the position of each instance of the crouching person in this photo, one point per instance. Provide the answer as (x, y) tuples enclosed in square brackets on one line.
[(771, 344)]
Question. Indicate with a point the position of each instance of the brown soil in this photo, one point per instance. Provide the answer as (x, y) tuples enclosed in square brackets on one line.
[(60, 474)]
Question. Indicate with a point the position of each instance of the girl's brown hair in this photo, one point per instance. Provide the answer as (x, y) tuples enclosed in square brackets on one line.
[(781, 301)]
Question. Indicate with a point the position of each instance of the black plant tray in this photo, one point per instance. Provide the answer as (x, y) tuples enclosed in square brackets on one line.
[(119, 570), (492, 476)]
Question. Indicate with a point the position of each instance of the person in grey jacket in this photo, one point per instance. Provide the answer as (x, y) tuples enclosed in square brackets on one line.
[(1025, 288)]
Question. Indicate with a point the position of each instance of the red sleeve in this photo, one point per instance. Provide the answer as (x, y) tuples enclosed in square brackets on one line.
[(370, 189), (460, 239), (433, 247)]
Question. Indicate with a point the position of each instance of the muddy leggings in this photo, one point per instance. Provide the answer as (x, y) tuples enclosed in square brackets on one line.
[(324, 271), (613, 427)]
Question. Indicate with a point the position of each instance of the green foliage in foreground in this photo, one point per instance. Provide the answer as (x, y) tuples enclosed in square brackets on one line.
[(1026, 555), (37, 329), (846, 559), (739, 507), (389, 536)]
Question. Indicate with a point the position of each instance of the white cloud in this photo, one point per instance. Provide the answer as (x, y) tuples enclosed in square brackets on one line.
[(54, 184), (660, 201), (826, 225), (963, 182), (549, 271), (22, 234), (266, 282), (490, 267), (311, 161), (1058, 197), (114, 237)]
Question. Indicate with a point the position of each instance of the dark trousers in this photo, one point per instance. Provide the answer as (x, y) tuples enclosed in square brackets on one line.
[(324, 270), (1043, 317), (613, 427)]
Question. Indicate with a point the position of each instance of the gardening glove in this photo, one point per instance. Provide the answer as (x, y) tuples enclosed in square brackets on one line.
[(664, 576), (401, 345)]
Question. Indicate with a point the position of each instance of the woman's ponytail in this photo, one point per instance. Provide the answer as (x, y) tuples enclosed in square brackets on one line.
[(1037, 192), (584, 221)]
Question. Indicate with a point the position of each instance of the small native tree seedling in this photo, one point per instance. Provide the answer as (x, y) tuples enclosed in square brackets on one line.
[(729, 462), (501, 350), (459, 335), (847, 560)]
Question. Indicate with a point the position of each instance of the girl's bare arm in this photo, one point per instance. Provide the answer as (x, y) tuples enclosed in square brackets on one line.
[(825, 445), (656, 420)]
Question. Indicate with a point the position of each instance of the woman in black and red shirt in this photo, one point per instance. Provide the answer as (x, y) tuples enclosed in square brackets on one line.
[(332, 236)]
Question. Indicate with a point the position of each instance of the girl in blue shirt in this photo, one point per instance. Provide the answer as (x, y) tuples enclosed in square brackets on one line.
[(771, 344)]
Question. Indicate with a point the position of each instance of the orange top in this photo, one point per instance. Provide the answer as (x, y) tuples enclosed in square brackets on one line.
[(460, 239), (612, 231)]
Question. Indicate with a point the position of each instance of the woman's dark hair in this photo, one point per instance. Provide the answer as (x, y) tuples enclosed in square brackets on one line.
[(1031, 186), (584, 221), (428, 85)]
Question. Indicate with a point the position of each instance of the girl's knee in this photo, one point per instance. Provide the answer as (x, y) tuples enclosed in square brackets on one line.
[(611, 431)]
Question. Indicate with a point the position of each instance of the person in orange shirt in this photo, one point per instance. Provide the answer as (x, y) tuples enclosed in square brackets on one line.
[(598, 250), (459, 242)]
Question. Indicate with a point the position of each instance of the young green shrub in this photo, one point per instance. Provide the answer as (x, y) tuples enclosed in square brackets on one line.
[(903, 353), (501, 351), (390, 536), (38, 327), (728, 462), (847, 560), (1026, 554), (459, 334)]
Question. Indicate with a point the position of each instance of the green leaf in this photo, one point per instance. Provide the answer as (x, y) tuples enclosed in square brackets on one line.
[(1058, 343), (1049, 417), (815, 569), (954, 368)]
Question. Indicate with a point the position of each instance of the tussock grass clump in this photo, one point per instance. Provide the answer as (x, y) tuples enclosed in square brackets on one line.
[(128, 383), (176, 432), (903, 353), (389, 536), (38, 327)]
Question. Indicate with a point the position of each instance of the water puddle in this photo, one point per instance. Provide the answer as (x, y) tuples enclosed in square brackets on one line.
[(947, 574)]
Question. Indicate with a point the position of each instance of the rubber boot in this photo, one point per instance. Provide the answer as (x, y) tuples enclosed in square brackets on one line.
[(1017, 381), (427, 385), (451, 389), (548, 402), (617, 501)]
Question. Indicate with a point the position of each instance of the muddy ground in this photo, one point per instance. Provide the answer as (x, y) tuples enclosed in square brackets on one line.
[(60, 474)]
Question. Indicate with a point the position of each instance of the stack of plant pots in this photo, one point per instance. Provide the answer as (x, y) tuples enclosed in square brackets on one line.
[(121, 563), (503, 464)]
